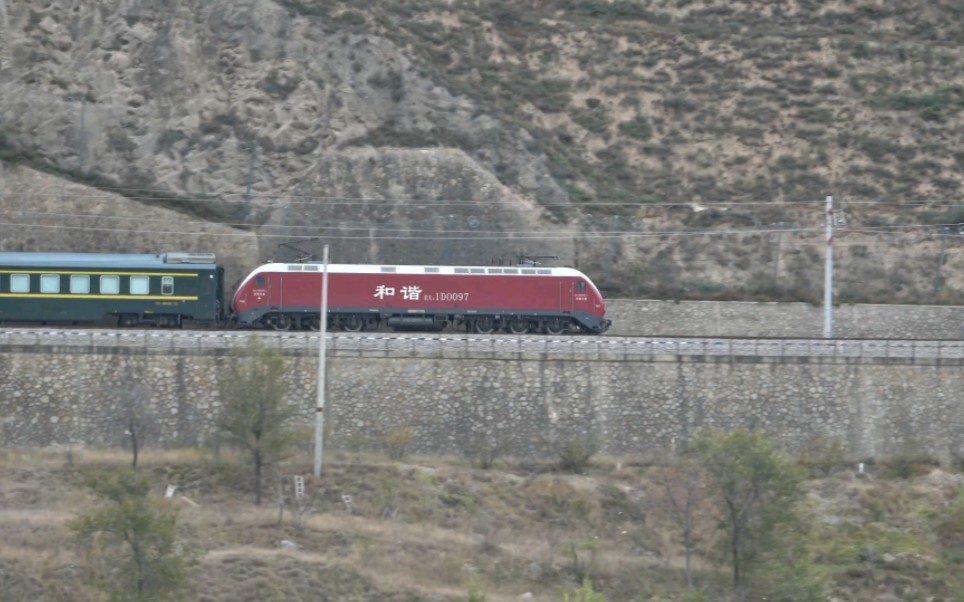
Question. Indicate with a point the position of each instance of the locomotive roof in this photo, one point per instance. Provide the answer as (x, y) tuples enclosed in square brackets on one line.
[(167, 261), (364, 268)]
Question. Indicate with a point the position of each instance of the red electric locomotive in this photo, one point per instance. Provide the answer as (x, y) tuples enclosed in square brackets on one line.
[(407, 297)]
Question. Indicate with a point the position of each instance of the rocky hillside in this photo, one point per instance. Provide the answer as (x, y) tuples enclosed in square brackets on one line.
[(669, 148)]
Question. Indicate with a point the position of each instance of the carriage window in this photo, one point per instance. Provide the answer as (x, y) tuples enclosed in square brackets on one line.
[(79, 284), (109, 285), (140, 285), (495, 270), (528, 271), (311, 268), (259, 281), (582, 287), (295, 268), (431, 270), (544, 271), (477, 270), (167, 285), (49, 283), (19, 283), (461, 270), (387, 269), (511, 271)]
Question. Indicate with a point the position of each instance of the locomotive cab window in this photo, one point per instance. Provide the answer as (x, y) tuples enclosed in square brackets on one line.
[(79, 284), (167, 285), (140, 285), (109, 285), (19, 283), (49, 283)]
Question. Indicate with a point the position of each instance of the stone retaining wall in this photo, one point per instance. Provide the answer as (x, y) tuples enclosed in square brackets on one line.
[(746, 319), (456, 402)]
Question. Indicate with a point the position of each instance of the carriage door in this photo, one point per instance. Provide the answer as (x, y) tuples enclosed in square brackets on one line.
[(566, 291), (275, 290)]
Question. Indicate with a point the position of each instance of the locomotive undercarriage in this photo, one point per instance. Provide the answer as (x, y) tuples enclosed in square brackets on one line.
[(482, 324)]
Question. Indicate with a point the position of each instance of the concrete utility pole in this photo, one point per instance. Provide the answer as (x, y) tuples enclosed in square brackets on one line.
[(322, 348), (828, 275)]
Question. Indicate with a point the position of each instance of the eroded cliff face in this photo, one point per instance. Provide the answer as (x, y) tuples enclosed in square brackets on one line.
[(262, 113)]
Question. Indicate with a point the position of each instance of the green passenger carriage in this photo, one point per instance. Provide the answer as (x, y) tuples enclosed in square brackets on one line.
[(128, 290)]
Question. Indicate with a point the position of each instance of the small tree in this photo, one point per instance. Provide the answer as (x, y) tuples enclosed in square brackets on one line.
[(138, 537), (136, 419), (755, 488), (254, 416), (682, 498)]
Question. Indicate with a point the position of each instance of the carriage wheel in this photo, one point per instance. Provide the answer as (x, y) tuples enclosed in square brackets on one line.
[(353, 323), (281, 322), (555, 326), (311, 323), (485, 325), (517, 326)]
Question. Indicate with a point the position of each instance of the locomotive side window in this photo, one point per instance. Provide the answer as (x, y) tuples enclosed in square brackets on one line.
[(49, 283), (79, 284), (140, 285), (109, 285), (259, 281), (582, 287), (167, 285), (19, 283)]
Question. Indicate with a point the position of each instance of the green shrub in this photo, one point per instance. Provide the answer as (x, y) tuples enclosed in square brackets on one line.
[(397, 441), (585, 594), (639, 128), (910, 462), (822, 456), (575, 454), (595, 120)]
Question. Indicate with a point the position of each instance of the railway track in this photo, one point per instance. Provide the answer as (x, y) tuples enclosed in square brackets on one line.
[(596, 347)]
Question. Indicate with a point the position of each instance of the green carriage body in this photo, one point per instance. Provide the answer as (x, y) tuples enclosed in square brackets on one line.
[(133, 289)]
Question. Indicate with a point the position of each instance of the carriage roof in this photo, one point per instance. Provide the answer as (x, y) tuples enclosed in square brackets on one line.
[(168, 261)]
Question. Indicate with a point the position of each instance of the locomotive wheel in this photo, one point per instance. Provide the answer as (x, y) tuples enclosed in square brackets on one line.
[(353, 323), (485, 325), (281, 322), (555, 326), (311, 323), (517, 326)]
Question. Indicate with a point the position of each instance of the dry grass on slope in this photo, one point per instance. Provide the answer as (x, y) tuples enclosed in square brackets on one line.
[(376, 530)]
